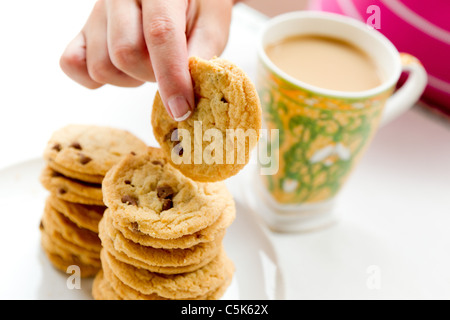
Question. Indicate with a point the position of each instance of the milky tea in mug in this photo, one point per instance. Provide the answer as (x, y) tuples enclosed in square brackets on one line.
[(326, 82), (325, 62)]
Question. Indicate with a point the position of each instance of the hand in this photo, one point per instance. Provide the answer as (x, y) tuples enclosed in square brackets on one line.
[(128, 42)]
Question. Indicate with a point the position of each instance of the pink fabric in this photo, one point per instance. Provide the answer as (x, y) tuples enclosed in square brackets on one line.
[(431, 47)]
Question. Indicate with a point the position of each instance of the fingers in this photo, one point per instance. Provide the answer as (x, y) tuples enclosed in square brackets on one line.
[(128, 42), (100, 67), (73, 63), (125, 38), (164, 25), (211, 27), (87, 60)]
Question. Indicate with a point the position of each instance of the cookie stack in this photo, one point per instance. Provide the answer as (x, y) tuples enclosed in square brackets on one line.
[(162, 233), (77, 159)]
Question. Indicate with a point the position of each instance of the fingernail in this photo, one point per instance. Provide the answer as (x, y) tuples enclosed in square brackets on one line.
[(179, 107)]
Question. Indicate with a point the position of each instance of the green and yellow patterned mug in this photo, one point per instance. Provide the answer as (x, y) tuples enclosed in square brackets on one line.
[(323, 133)]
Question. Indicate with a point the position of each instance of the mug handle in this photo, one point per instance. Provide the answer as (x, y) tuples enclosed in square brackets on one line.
[(405, 97)]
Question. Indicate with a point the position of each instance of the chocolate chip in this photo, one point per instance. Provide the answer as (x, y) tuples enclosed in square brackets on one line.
[(62, 191), (57, 147), (224, 100), (129, 200), (135, 227), (41, 226), (157, 163), (84, 159), (133, 153), (165, 192), (128, 182), (167, 204), (76, 145)]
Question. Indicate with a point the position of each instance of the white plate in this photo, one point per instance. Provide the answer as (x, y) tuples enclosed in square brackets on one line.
[(27, 274)]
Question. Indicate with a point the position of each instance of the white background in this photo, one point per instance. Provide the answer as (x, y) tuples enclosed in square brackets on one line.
[(394, 211)]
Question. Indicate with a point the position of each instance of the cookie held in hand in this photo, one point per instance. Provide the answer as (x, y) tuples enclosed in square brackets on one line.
[(215, 142)]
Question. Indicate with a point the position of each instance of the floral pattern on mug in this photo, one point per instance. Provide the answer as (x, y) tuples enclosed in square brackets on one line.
[(321, 138)]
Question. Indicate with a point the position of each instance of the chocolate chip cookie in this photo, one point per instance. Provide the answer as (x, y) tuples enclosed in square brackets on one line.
[(166, 261), (72, 190), (77, 158), (202, 236), (146, 194), (178, 286), (84, 216), (108, 287), (102, 290), (87, 152), (63, 252), (56, 222), (216, 141)]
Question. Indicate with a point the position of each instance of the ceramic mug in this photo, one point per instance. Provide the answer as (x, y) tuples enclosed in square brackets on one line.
[(323, 133)]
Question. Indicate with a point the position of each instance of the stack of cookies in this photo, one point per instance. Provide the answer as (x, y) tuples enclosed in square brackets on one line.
[(162, 233), (77, 159), (168, 210)]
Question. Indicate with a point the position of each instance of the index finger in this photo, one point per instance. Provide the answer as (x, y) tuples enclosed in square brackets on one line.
[(164, 24)]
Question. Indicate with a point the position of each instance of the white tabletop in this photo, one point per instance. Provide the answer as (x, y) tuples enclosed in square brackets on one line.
[(392, 239)]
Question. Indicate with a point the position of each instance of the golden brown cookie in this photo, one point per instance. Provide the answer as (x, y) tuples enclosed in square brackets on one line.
[(124, 291), (214, 145), (56, 224), (128, 293), (84, 216), (166, 261), (102, 290), (71, 190), (87, 152), (146, 194), (62, 264), (62, 257), (180, 286), (90, 178), (202, 236)]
